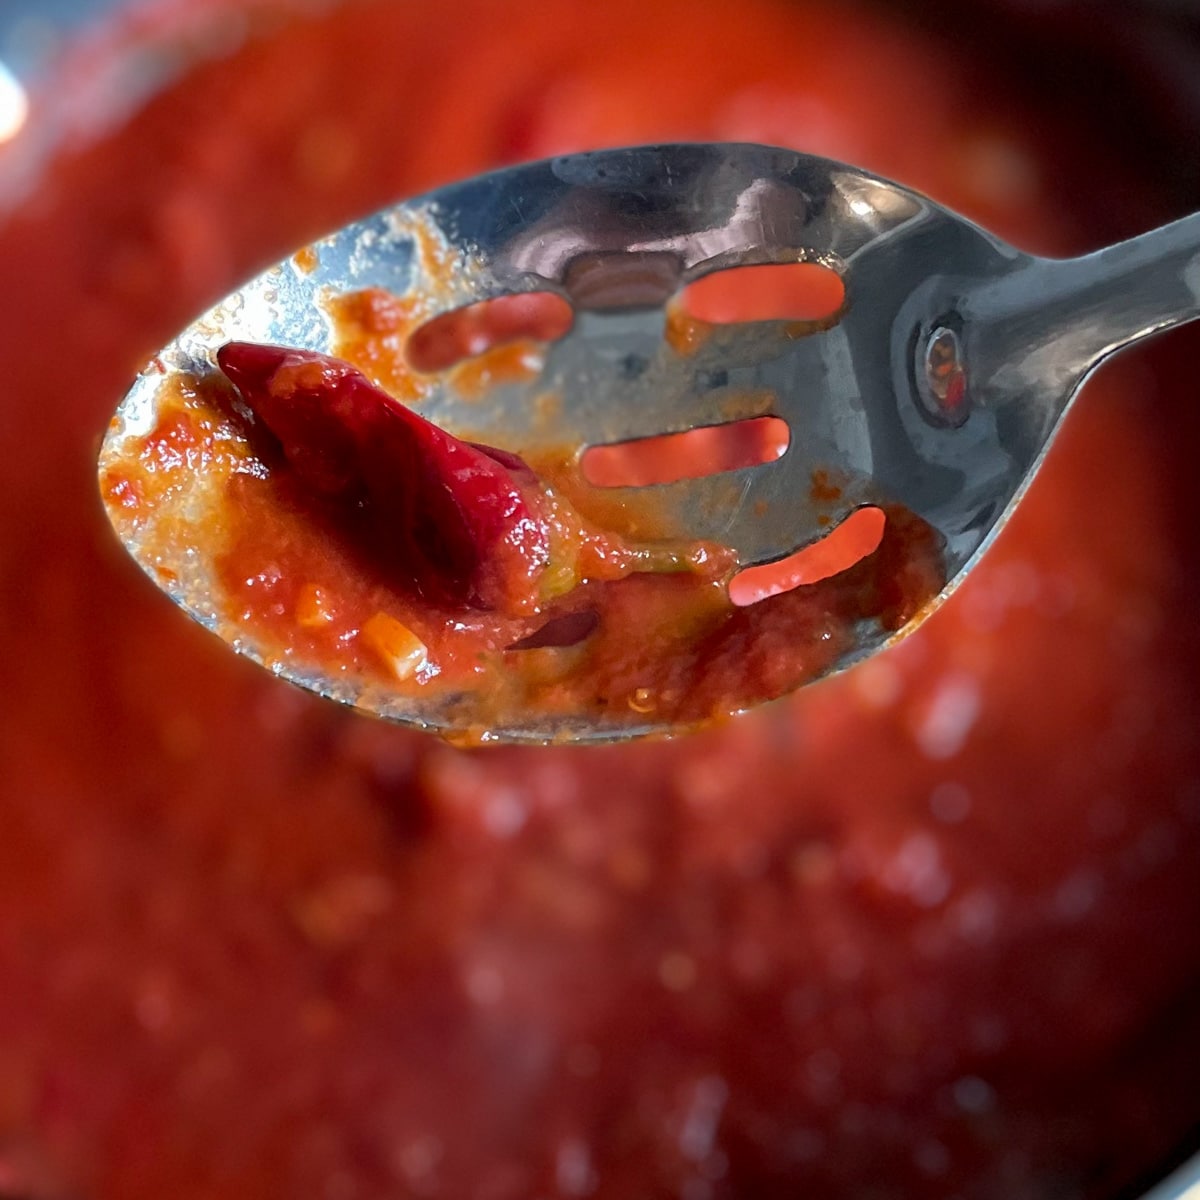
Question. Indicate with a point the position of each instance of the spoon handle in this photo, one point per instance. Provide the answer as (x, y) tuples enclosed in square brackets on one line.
[(1054, 320)]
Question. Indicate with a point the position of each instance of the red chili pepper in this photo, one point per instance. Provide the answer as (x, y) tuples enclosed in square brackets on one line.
[(461, 520)]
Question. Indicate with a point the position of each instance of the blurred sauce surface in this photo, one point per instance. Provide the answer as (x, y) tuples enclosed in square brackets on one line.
[(929, 929)]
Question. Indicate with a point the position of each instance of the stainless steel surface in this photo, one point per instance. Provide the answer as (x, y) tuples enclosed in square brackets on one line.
[(1182, 1184), (939, 388)]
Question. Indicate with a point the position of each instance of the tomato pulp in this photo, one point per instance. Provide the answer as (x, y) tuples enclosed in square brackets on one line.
[(928, 929), (332, 529)]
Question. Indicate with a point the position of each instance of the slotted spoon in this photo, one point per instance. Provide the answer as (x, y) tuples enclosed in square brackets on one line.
[(939, 386)]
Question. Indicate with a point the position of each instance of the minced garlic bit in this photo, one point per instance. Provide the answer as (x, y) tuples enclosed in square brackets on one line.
[(399, 648), (313, 607), (558, 579)]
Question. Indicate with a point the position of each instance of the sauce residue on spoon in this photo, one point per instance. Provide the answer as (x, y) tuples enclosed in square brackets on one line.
[(620, 633)]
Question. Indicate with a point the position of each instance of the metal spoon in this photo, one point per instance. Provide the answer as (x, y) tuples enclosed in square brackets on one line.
[(938, 388)]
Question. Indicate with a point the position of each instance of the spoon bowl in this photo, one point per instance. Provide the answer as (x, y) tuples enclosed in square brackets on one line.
[(934, 389)]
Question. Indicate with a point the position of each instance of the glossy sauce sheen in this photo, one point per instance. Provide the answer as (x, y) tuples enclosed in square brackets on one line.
[(929, 929)]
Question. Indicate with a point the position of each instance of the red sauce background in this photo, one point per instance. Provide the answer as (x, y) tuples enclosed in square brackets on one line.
[(929, 929)]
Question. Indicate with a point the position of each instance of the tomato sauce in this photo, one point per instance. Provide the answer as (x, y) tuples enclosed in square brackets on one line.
[(927, 929)]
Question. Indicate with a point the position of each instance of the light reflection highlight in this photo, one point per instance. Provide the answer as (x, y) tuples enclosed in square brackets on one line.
[(14, 105)]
